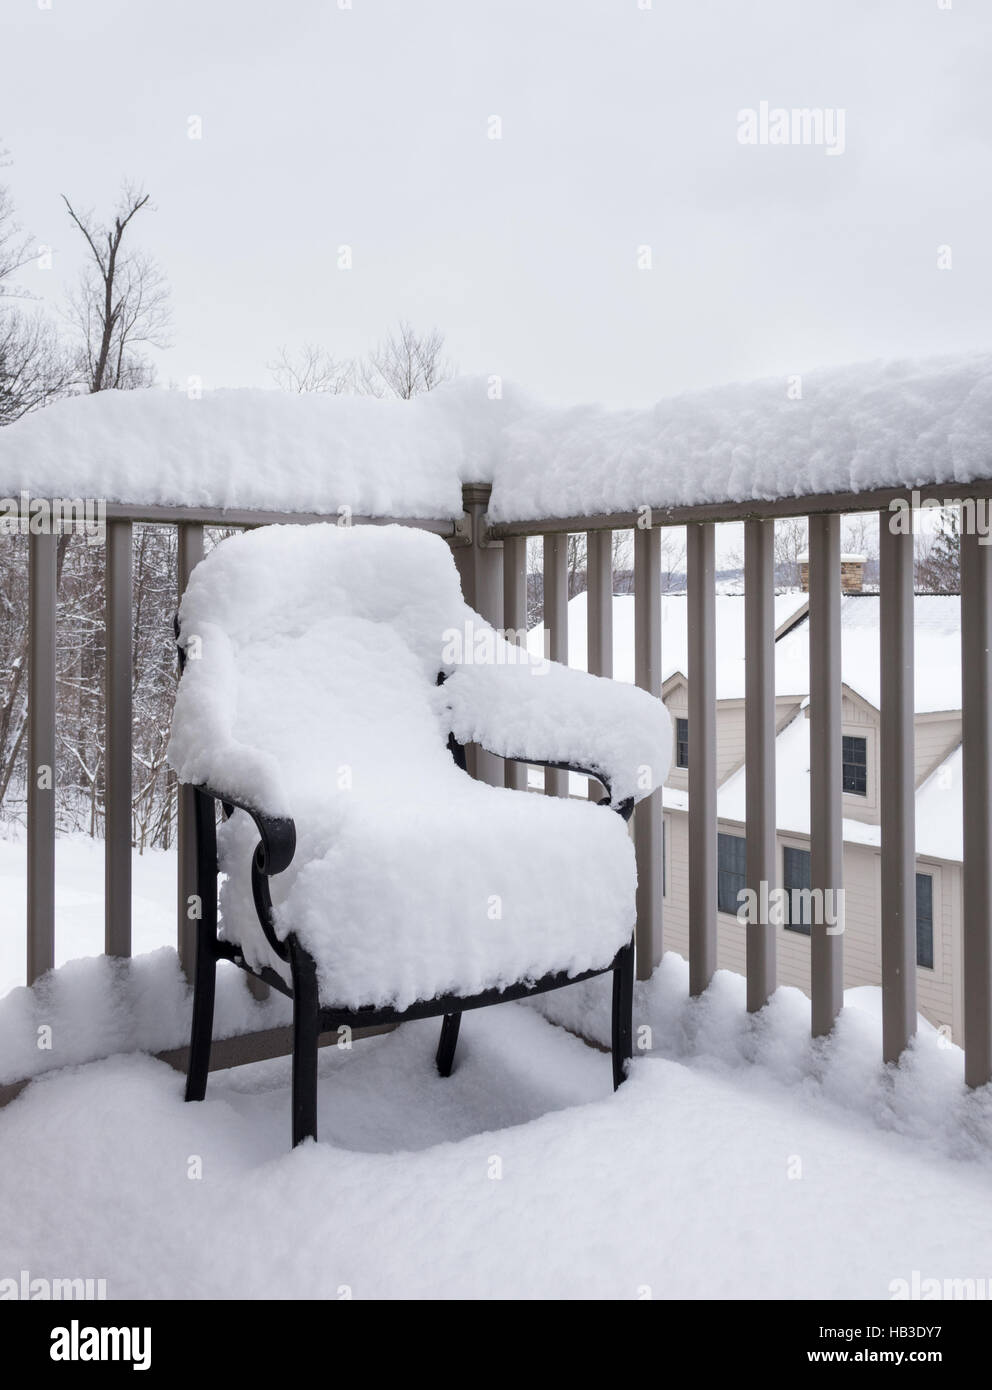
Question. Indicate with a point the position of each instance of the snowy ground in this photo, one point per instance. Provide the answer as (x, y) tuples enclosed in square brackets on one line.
[(521, 1176), (740, 1159), (79, 901)]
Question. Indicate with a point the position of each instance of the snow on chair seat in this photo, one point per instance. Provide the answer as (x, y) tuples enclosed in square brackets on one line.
[(406, 901), (364, 870)]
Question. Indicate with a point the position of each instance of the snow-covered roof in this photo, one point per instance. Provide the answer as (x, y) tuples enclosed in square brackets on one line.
[(894, 424), (937, 629), (938, 688), (674, 640), (938, 644), (938, 799), (939, 812)]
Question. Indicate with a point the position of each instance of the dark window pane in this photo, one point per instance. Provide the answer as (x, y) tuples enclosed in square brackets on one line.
[(855, 755), (730, 871), (924, 920), (796, 882), (681, 743)]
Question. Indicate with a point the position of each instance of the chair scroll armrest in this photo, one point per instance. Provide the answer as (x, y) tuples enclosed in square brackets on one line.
[(277, 843), (549, 714), (273, 855), (624, 809)]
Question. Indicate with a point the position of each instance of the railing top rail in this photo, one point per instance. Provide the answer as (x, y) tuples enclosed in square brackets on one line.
[(246, 516), (459, 528), (156, 513), (753, 509)]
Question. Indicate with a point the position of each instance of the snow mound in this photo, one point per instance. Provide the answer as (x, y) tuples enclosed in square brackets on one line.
[(878, 424), (247, 448), (895, 424), (94, 1006)]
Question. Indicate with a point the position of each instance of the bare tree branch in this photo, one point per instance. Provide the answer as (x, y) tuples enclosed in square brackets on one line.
[(313, 368), (34, 367), (121, 303), (405, 364)]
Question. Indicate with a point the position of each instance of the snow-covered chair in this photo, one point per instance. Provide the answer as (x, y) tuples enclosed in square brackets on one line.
[(331, 678)]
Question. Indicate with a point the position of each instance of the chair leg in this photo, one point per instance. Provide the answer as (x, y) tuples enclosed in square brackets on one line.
[(201, 1033), (623, 1011), (306, 1030), (445, 1055)]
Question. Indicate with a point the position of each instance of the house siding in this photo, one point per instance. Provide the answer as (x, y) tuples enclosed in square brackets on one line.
[(936, 989), (935, 740)]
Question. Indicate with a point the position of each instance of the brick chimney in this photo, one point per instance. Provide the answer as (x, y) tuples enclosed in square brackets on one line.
[(852, 572)]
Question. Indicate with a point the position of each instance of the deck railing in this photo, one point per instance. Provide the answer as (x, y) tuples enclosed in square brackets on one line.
[(492, 561)]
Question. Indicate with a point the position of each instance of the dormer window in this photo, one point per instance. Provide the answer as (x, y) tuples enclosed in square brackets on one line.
[(855, 756)]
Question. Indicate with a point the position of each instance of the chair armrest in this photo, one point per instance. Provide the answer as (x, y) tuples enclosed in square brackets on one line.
[(624, 808), (277, 834), (538, 711), (273, 855)]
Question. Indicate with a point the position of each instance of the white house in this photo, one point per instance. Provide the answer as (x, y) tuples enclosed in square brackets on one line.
[(938, 781)]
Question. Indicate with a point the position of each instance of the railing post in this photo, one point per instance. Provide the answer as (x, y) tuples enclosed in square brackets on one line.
[(649, 815), (117, 768), (976, 741), (701, 618), (515, 621), (599, 614), (556, 628), (42, 593), (759, 751), (897, 789), (480, 567), (190, 554), (826, 817)]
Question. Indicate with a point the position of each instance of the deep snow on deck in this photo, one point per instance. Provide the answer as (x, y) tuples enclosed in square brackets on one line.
[(521, 1176)]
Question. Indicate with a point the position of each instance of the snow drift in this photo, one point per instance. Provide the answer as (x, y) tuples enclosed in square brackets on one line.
[(897, 424)]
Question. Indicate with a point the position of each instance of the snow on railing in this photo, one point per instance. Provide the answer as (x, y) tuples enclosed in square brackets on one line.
[(836, 430)]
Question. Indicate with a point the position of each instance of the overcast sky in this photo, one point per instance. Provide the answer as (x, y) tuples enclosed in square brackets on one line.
[(369, 127)]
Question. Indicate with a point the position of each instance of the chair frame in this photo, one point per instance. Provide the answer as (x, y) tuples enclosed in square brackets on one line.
[(273, 854)]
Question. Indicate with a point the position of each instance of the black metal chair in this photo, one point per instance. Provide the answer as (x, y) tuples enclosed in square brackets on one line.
[(273, 855)]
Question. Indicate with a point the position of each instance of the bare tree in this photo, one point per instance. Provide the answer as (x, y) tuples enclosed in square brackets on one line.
[(405, 364), (120, 307), (122, 303), (34, 367), (791, 540), (313, 368), (14, 245)]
